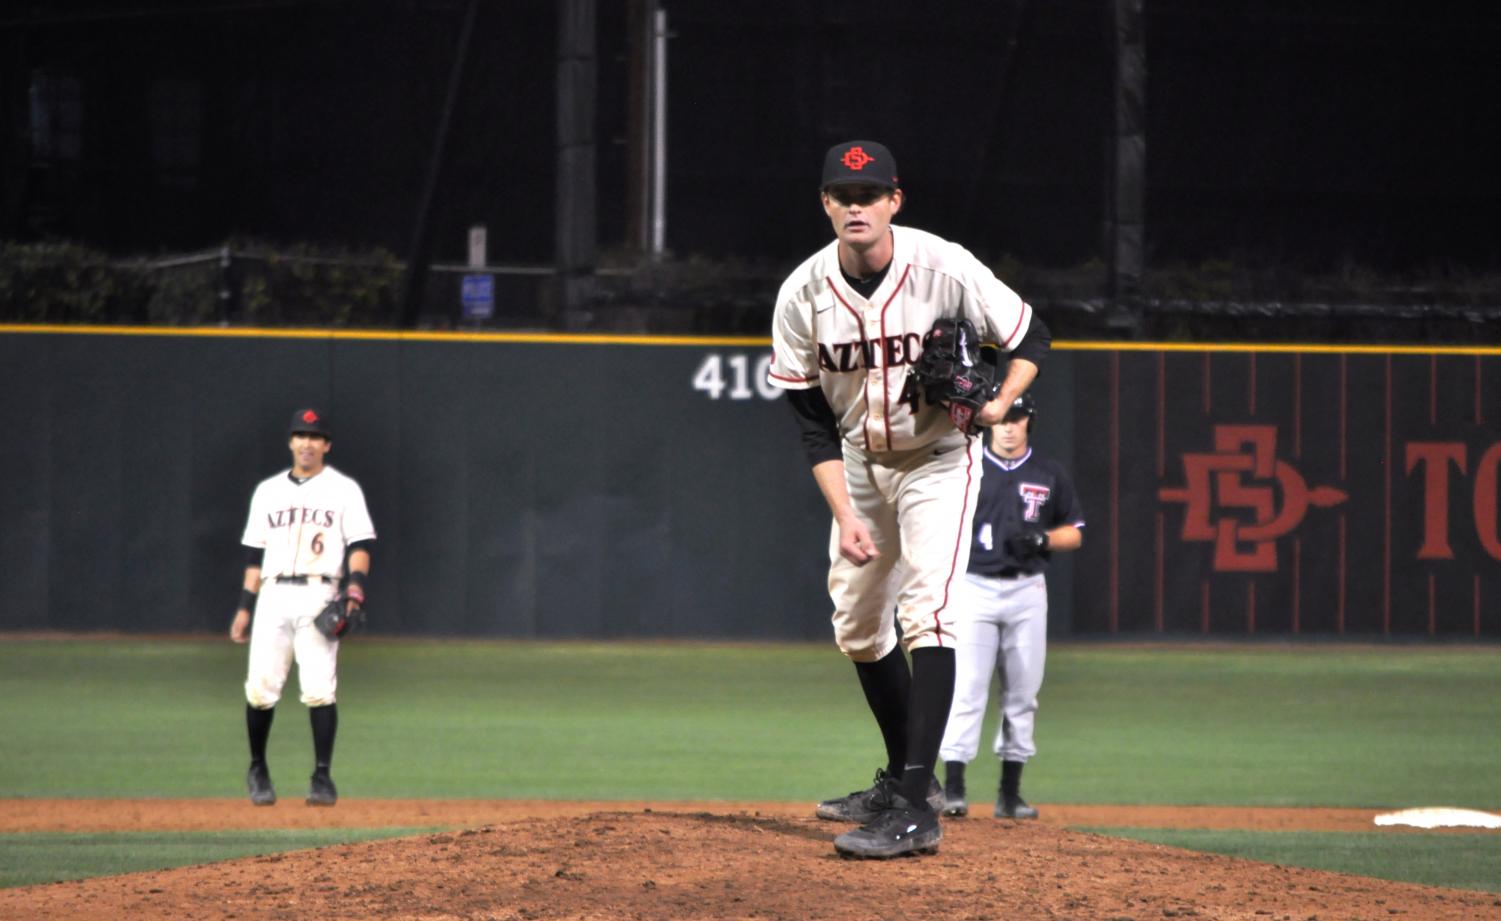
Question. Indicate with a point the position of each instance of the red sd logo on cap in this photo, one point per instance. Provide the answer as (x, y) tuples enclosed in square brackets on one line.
[(310, 416), (856, 158)]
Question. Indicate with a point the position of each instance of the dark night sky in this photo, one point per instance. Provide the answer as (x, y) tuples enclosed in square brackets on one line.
[(1310, 133), (1360, 128)]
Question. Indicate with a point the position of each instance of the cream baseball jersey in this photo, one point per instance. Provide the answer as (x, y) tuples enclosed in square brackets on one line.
[(857, 349), (305, 527)]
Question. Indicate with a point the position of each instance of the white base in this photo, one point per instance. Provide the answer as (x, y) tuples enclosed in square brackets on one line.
[(1441, 817)]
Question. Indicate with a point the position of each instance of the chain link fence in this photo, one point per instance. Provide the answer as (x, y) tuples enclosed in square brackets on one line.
[(260, 285)]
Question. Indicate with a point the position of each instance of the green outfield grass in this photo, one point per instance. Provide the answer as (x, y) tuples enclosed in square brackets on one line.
[(1277, 725), (1461, 861), (57, 857)]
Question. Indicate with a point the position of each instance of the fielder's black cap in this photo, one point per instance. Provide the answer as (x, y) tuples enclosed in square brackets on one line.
[(309, 420), (860, 161)]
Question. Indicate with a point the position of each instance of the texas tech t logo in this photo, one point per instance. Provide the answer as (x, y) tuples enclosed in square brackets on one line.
[(1034, 497), (1243, 498)]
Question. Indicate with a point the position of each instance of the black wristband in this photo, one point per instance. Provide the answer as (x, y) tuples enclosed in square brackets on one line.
[(247, 599), (357, 579)]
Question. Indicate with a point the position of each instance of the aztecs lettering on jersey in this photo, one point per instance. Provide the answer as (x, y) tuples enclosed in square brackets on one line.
[(858, 347), (288, 517), (305, 527), (1034, 497), (858, 355)]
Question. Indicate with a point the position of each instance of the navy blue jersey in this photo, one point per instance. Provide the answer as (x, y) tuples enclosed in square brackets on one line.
[(1031, 493)]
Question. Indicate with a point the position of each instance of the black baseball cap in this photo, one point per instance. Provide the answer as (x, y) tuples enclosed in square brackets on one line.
[(866, 162), (1023, 405), (309, 420)]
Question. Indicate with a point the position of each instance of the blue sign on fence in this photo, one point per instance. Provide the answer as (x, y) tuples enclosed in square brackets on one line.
[(478, 297)]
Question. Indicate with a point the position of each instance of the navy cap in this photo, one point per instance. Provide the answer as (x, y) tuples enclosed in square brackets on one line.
[(309, 420), (860, 161), (1023, 407)]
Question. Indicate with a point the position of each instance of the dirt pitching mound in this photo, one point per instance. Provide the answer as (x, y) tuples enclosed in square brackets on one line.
[(681, 864)]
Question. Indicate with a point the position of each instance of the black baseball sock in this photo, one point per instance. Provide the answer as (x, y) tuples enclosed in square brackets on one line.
[(953, 777), (258, 727), (887, 683), (325, 724), (1011, 777), (932, 692)]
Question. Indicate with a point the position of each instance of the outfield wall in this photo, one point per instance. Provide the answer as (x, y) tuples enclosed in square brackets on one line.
[(1292, 491), (574, 486)]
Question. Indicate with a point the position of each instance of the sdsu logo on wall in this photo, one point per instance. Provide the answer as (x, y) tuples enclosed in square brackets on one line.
[(1288, 491), (1242, 497)]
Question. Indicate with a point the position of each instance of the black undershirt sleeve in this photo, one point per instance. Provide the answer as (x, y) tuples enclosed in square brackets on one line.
[(816, 419), (1036, 342), (254, 556)]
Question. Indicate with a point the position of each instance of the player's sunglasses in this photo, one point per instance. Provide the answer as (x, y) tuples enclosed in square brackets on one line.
[(857, 194)]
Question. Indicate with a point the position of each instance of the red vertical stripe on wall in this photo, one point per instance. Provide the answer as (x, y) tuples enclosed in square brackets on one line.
[(1386, 524), (1157, 586), (1208, 383), (1297, 406), (1157, 583), (1479, 414), (1297, 585), (1477, 605), (1432, 613), (1339, 605), (1251, 386), (1344, 365), (1115, 492), (1161, 415), (1433, 390)]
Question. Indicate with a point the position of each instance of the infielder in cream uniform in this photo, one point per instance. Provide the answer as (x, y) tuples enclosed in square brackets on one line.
[(899, 479), (302, 524)]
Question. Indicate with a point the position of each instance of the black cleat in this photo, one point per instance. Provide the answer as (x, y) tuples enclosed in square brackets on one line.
[(258, 782), (862, 806), (954, 803), (321, 791), (899, 829), (1014, 807)]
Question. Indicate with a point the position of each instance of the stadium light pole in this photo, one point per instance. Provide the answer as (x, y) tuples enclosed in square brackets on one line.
[(419, 252), (1125, 183)]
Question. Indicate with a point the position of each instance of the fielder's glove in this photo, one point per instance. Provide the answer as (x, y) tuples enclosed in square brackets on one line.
[(343, 613), (1027, 544), (951, 374)]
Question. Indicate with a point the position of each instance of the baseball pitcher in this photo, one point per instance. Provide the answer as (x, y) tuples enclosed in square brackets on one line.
[(895, 462)]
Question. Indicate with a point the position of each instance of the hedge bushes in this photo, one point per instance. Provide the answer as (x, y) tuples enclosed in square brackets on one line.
[(254, 283), (64, 283), (241, 283)]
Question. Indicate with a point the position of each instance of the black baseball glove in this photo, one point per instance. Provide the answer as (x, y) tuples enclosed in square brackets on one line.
[(1027, 544), (343, 613), (950, 373)]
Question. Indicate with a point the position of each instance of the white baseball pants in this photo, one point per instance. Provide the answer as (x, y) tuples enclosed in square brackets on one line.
[(919, 506), (282, 631), (1003, 630)]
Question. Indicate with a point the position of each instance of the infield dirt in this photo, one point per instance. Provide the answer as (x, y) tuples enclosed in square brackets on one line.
[(515, 860)]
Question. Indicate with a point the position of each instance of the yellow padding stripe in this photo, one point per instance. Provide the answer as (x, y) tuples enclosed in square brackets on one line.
[(221, 332)]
